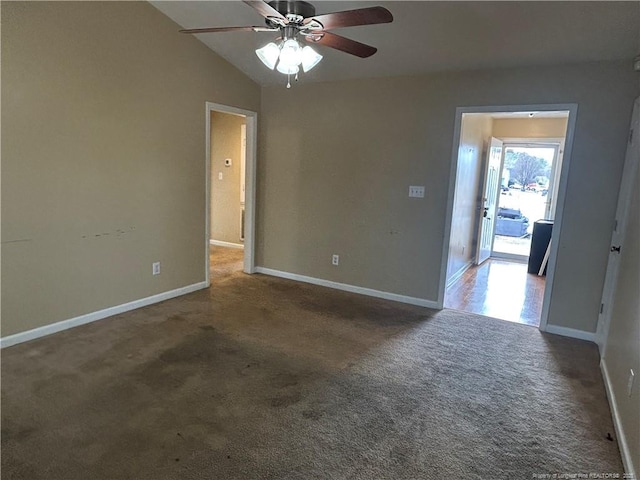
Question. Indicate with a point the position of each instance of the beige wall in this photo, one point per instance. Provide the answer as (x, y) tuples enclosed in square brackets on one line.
[(103, 149), (334, 176), (225, 193), (474, 134), (623, 343), (529, 127)]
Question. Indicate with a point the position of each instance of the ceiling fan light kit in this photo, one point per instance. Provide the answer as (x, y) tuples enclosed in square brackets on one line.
[(296, 21), (288, 56)]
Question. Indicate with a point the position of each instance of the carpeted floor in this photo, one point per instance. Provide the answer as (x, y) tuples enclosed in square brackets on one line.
[(264, 378)]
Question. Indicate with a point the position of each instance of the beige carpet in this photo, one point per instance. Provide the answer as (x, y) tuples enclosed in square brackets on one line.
[(263, 378)]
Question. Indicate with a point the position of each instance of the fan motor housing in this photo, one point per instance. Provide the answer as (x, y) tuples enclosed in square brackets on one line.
[(302, 9)]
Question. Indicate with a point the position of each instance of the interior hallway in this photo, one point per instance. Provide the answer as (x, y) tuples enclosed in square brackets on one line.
[(224, 261), (499, 289)]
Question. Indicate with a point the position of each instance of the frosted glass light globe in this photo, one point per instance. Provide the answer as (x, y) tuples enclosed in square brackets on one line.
[(290, 53)]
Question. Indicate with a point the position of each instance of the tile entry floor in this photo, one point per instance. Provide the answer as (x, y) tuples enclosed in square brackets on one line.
[(499, 289)]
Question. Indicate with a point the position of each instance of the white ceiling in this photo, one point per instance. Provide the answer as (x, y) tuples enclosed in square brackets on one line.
[(429, 36)]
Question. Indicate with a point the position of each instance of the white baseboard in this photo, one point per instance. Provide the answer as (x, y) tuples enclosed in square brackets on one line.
[(94, 316), (456, 276), (349, 288), (625, 452), (510, 257), (571, 332), (220, 243)]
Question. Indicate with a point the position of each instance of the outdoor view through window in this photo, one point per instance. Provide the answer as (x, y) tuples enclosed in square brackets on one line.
[(525, 197)]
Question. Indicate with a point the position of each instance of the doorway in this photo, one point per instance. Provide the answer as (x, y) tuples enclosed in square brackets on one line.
[(230, 200), (507, 186), (527, 194)]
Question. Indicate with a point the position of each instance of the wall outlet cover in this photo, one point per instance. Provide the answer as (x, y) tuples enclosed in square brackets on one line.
[(416, 191)]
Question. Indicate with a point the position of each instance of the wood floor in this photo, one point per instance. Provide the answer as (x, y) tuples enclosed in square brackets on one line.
[(499, 289)]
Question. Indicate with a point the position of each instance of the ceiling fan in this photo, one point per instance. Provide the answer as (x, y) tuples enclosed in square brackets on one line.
[(297, 20)]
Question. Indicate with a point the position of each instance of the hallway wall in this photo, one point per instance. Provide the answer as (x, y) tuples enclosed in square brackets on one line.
[(225, 194), (529, 127), (474, 133)]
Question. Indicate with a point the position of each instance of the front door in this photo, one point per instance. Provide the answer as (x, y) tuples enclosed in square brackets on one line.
[(489, 200)]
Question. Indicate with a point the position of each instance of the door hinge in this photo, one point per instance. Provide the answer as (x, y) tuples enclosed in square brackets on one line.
[(601, 307)]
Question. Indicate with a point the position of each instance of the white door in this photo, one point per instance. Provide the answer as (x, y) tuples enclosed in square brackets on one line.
[(489, 200), (550, 203), (617, 238)]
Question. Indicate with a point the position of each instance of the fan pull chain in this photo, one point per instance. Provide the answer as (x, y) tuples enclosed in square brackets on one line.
[(296, 76), (288, 81)]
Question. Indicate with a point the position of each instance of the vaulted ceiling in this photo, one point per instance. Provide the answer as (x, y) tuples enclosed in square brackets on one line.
[(429, 36)]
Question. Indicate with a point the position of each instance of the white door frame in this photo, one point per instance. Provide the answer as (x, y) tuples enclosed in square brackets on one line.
[(631, 165), (572, 108), (250, 183)]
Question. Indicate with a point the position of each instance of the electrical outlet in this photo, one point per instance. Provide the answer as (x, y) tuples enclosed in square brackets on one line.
[(155, 268), (335, 260), (416, 191), (632, 377)]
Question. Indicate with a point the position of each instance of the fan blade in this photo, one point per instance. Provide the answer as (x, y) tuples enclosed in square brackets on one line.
[(266, 10), (343, 44), (353, 18), (229, 29)]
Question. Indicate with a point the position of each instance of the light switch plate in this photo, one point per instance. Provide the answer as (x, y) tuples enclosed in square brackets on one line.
[(416, 191)]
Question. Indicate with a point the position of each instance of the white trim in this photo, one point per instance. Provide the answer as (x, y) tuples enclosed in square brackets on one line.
[(533, 142), (250, 183), (570, 332), (349, 288), (456, 276), (572, 108), (99, 315), (453, 174), (511, 257), (558, 218), (220, 243), (625, 452)]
